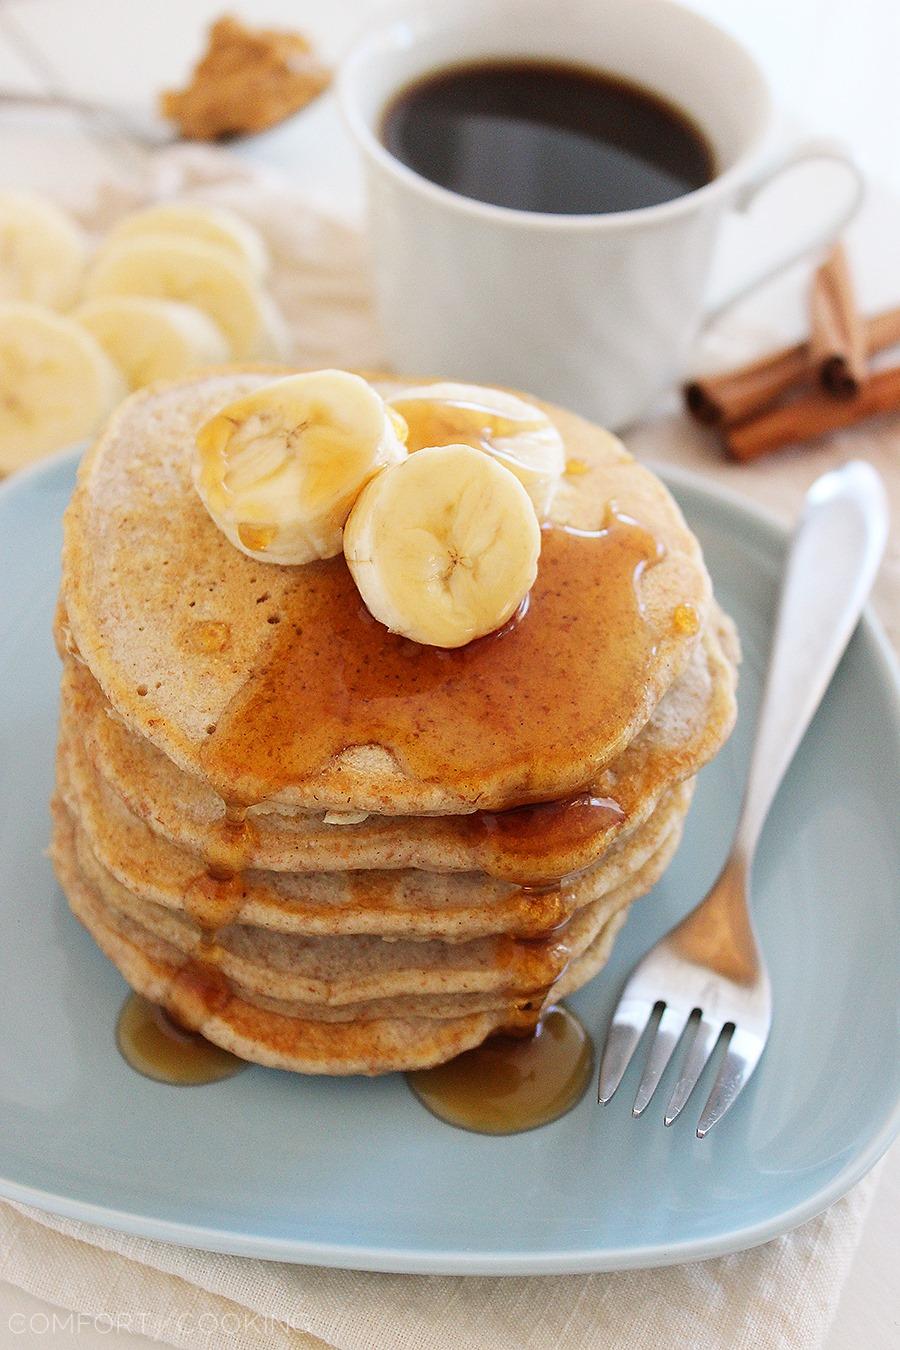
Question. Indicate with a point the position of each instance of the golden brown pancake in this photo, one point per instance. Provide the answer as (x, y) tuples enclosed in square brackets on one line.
[(686, 730), (306, 1045), (350, 970), (452, 906), (331, 850), (144, 565)]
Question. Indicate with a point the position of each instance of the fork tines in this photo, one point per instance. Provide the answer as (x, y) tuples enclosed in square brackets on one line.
[(633, 1015)]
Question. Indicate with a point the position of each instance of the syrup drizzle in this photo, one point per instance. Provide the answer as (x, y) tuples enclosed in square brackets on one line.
[(151, 1037), (214, 898), (571, 670), (511, 1084), (527, 835), (458, 421), (332, 678), (686, 620), (155, 1045), (536, 911), (207, 635)]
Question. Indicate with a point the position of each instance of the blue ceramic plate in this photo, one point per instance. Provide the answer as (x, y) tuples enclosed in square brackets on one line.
[(355, 1172)]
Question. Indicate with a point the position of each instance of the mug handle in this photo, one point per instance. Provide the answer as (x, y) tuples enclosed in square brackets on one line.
[(808, 151)]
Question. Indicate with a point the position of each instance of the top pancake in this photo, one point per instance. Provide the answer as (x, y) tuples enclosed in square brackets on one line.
[(143, 564)]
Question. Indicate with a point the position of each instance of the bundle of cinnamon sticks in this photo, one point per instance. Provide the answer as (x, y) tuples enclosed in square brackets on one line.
[(813, 387)]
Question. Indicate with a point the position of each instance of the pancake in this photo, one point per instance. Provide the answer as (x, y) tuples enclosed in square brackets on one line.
[(304, 1045), (144, 565), (685, 731), (410, 903), (519, 1011), (332, 850), (355, 970)]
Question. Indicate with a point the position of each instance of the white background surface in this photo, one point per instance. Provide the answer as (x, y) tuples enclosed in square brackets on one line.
[(834, 69)]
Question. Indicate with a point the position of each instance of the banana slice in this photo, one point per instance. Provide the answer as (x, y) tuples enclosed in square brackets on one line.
[(443, 546), (513, 431), (42, 252), (279, 470), (56, 383), (153, 339), (275, 339), (209, 224), (165, 267)]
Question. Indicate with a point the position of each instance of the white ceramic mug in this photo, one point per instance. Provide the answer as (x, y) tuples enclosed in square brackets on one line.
[(597, 312)]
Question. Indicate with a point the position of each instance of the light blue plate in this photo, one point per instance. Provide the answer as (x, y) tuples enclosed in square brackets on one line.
[(355, 1172)]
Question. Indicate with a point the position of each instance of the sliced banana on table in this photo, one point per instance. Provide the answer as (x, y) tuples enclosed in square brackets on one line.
[(279, 470), (166, 267), (153, 339), (275, 342), (444, 546), (42, 252), (517, 433), (210, 224), (56, 383)]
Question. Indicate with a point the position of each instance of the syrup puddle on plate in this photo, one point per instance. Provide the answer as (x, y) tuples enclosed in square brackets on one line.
[(508, 1085), (153, 1044), (511, 1084)]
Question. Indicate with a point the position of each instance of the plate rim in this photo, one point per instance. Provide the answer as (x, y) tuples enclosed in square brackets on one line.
[(406, 1260)]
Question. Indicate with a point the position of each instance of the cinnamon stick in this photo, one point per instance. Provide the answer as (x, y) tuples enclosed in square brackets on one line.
[(837, 343), (718, 400), (812, 414), (722, 400), (882, 330)]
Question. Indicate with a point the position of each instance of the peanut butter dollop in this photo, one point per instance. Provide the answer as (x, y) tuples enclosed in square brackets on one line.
[(247, 80)]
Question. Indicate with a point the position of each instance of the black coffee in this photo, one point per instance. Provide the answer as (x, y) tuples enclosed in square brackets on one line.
[(546, 136)]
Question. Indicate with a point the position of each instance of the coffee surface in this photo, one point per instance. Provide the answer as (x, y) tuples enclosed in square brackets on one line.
[(550, 137)]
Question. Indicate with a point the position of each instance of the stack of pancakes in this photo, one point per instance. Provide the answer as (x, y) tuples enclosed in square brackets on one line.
[(364, 916)]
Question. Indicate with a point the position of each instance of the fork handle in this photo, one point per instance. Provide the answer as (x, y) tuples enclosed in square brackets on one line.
[(833, 559)]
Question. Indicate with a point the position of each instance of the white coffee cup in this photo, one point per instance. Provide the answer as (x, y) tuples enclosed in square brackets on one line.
[(597, 312)]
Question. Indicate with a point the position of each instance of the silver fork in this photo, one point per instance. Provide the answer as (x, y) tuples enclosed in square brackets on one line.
[(710, 964)]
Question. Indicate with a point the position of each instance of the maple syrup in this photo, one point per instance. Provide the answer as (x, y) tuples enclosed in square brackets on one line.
[(155, 1045), (201, 984), (511, 1084), (214, 898), (207, 635), (572, 670), (457, 421), (233, 845), (535, 962), (569, 670), (535, 911), (686, 620), (529, 834), (257, 537)]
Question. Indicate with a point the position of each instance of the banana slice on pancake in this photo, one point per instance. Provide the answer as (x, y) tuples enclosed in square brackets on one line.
[(280, 469), (516, 433), (444, 546)]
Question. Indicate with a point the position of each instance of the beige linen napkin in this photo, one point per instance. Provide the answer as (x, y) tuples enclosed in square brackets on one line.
[(780, 1296), (776, 1297)]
